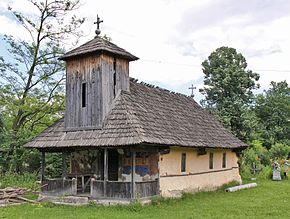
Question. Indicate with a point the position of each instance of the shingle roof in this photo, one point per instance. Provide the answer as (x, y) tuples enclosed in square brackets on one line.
[(146, 114), (99, 44)]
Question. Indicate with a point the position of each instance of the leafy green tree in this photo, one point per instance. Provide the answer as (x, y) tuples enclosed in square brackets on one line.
[(279, 151), (273, 110), (228, 89), (32, 83), (1, 129)]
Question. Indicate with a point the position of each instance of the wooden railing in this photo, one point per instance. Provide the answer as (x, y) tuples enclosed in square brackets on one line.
[(147, 189), (59, 186), (115, 189), (97, 188), (123, 190)]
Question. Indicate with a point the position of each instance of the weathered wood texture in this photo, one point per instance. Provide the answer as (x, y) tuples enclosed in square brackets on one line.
[(118, 189), (123, 190), (97, 71), (97, 188), (115, 189), (42, 166), (148, 115), (147, 189), (59, 186), (99, 45), (133, 166)]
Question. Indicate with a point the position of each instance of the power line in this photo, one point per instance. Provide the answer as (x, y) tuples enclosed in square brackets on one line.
[(166, 62), (271, 70), (192, 65)]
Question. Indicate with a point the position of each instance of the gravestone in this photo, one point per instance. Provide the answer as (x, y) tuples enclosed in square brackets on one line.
[(276, 172)]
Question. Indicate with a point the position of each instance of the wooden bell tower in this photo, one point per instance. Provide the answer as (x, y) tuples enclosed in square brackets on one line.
[(96, 72)]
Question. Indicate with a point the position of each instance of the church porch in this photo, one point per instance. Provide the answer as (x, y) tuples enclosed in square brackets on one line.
[(105, 173)]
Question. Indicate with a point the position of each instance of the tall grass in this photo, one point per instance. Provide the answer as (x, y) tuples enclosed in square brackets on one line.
[(25, 180)]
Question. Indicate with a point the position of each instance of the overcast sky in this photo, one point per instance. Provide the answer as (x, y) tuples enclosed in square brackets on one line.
[(173, 37)]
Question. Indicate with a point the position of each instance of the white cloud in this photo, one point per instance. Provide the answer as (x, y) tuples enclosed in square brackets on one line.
[(172, 37), (11, 27)]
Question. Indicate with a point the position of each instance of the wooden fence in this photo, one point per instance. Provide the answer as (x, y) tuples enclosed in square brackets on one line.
[(147, 189), (123, 190), (59, 186)]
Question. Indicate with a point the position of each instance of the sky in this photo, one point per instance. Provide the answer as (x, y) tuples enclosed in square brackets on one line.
[(173, 37)]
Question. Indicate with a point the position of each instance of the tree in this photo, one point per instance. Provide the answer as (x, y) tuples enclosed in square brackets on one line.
[(228, 87), (279, 151), (1, 129), (31, 86), (273, 110)]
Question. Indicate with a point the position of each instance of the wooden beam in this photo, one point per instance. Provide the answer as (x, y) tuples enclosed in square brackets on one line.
[(105, 171), (42, 164), (133, 164), (144, 149), (64, 164), (158, 174)]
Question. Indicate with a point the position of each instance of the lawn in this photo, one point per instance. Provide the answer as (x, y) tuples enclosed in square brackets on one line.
[(268, 200)]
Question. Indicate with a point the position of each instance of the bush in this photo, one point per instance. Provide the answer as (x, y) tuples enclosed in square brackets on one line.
[(265, 173), (25, 180), (279, 151), (246, 172), (254, 159)]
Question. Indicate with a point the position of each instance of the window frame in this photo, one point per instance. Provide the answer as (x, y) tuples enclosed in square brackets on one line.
[(183, 162), (84, 94), (224, 160), (211, 166)]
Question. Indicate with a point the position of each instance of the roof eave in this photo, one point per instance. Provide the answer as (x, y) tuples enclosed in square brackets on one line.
[(128, 57)]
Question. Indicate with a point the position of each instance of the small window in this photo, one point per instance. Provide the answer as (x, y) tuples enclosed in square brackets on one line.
[(210, 160), (84, 94), (224, 164), (183, 162)]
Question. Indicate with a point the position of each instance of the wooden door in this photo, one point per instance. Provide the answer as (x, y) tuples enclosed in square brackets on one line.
[(113, 165)]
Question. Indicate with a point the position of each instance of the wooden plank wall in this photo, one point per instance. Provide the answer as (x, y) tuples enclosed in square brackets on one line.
[(147, 189), (97, 72)]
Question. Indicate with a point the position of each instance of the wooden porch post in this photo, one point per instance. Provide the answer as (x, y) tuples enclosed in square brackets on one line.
[(105, 171), (133, 164), (42, 164), (158, 174), (64, 164)]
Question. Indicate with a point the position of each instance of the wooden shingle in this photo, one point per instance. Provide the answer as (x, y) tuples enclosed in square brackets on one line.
[(146, 114), (96, 45)]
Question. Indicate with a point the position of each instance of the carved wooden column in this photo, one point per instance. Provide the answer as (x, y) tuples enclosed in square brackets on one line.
[(42, 169), (133, 164), (158, 174), (105, 171), (64, 164)]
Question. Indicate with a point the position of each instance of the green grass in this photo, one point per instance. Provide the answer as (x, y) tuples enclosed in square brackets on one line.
[(268, 200)]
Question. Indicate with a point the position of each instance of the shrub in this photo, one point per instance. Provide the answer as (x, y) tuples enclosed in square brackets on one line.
[(254, 159), (25, 180), (265, 173), (279, 151)]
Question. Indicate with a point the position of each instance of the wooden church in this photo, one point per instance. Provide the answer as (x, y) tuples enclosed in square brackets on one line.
[(124, 140)]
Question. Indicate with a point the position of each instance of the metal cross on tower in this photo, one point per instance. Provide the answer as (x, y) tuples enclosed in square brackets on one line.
[(98, 31), (192, 88)]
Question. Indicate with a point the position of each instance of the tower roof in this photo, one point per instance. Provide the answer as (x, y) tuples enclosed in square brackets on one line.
[(99, 44)]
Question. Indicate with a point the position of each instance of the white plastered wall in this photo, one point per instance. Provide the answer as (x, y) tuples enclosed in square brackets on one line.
[(197, 176)]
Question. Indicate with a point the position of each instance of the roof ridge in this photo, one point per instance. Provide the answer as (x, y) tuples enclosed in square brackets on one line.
[(134, 80)]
